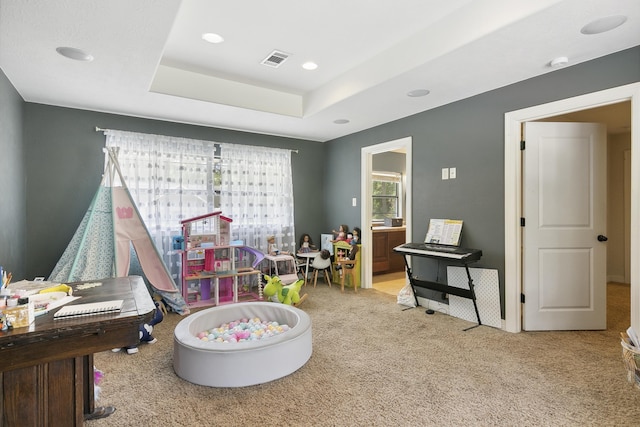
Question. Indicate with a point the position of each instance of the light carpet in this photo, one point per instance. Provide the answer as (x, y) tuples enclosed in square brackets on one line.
[(375, 364)]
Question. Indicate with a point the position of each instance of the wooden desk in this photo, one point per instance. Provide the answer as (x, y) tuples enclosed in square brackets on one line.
[(46, 369)]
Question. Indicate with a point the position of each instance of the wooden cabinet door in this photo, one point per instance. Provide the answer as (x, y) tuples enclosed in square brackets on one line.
[(396, 260), (50, 394), (380, 256)]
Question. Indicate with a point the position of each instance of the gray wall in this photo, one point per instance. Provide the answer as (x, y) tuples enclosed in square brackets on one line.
[(468, 135), (64, 160), (12, 177)]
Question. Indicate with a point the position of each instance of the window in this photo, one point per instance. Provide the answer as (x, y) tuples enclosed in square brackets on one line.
[(387, 195), (171, 179), (256, 190)]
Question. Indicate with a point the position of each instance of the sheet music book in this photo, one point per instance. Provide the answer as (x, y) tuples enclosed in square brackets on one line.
[(89, 309), (444, 232)]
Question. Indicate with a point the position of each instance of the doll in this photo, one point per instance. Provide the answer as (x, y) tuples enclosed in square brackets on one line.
[(306, 244), (356, 235), (146, 329), (341, 234), (272, 249)]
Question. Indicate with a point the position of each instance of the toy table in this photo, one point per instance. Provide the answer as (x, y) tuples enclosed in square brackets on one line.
[(308, 257)]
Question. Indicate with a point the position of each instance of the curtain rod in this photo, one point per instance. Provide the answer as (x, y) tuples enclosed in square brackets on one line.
[(99, 129)]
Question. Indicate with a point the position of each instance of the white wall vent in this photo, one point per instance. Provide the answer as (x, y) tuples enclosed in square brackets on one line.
[(275, 59)]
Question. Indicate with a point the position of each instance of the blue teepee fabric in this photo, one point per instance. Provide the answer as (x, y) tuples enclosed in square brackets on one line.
[(92, 253)]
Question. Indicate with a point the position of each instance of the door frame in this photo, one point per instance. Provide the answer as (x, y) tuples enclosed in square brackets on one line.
[(513, 191), (366, 168), (627, 216)]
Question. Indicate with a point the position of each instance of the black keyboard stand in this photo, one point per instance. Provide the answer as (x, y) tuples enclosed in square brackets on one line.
[(473, 256)]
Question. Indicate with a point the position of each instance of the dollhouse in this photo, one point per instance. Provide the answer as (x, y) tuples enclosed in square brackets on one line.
[(216, 270)]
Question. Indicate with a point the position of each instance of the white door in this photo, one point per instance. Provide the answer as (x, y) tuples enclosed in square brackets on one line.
[(564, 206)]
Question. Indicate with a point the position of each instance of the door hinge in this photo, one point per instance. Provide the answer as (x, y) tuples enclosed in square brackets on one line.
[(522, 298), (521, 222), (522, 145)]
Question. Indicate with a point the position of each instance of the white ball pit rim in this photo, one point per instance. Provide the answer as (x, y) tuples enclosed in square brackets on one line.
[(246, 363)]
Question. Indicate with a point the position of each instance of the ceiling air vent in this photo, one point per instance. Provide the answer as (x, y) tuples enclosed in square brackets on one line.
[(275, 59)]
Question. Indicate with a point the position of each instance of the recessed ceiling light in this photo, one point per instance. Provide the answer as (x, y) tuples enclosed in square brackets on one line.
[(603, 24), (212, 38), (418, 92), (559, 62), (75, 54), (310, 66), (341, 121)]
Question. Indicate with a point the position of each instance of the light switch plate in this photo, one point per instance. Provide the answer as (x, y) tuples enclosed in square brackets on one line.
[(445, 173), (452, 173)]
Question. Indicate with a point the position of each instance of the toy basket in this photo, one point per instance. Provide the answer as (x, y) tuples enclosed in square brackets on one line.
[(631, 359)]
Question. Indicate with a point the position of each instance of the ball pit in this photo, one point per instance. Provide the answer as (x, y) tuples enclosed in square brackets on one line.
[(241, 330), (245, 361)]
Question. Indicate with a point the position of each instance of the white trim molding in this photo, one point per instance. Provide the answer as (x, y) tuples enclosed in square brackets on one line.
[(513, 195)]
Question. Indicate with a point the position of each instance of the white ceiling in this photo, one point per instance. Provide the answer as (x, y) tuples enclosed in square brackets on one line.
[(150, 60)]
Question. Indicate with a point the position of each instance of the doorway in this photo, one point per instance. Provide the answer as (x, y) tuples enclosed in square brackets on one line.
[(513, 191), (389, 283), (403, 145)]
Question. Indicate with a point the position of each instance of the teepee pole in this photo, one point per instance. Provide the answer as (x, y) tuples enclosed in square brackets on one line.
[(114, 167)]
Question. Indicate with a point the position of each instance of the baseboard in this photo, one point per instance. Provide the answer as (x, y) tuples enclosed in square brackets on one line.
[(444, 308), (617, 279), (434, 305)]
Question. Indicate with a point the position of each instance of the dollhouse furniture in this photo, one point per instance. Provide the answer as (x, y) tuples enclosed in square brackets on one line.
[(243, 363), (323, 265), (306, 258), (284, 266), (350, 268), (216, 270), (46, 374), (326, 242)]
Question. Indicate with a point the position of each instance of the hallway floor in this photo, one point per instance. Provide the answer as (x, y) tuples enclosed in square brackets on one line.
[(389, 283)]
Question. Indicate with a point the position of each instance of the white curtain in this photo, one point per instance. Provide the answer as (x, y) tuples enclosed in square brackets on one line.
[(172, 179), (257, 192)]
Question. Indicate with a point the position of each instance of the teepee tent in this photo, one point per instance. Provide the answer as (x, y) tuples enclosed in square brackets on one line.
[(102, 245)]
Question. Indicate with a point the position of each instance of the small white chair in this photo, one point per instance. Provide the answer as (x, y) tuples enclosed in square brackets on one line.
[(324, 265)]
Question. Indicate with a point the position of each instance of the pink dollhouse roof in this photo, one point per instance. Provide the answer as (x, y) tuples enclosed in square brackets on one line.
[(222, 217)]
